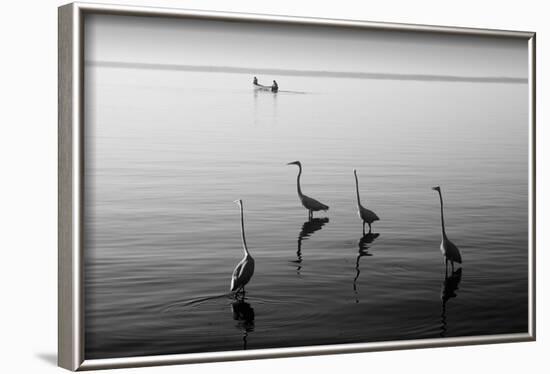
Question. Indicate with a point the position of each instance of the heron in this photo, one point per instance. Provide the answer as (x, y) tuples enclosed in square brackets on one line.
[(368, 216), (448, 249), (245, 268), (309, 203)]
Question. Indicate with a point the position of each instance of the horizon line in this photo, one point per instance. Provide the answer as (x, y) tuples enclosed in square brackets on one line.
[(309, 73)]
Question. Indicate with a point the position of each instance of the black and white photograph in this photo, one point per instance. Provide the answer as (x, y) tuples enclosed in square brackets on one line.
[(275, 186), (252, 185)]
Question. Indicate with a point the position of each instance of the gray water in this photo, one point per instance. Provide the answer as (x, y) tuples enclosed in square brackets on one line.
[(168, 152)]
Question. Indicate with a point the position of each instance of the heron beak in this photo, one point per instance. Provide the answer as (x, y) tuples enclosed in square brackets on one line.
[(292, 163), (435, 188)]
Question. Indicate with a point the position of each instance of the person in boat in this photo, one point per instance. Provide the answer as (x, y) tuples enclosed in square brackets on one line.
[(274, 86), (255, 81)]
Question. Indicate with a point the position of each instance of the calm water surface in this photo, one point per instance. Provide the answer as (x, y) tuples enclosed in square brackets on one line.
[(168, 152)]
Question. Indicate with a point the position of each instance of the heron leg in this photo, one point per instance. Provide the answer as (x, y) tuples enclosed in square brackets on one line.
[(453, 266), (363, 228), (239, 295), (370, 228)]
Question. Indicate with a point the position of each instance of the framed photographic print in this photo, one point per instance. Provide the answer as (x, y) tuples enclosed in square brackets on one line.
[(237, 186)]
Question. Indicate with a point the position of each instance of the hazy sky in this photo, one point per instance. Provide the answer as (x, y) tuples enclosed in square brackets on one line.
[(267, 46)]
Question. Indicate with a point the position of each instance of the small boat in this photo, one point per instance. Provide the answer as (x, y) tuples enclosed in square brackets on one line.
[(261, 87)]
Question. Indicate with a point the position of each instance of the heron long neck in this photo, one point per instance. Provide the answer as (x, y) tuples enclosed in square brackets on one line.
[(298, 180), (357, 190), (242, 233), (442, 219)]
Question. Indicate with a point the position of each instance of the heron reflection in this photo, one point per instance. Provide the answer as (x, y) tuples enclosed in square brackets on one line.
[(363, 251), (448, 291), (243, 313), (308, 228)]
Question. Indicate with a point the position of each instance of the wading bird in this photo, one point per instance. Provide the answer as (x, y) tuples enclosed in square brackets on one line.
[(309, 203), (368, 216), (244, 269), (450, 251)]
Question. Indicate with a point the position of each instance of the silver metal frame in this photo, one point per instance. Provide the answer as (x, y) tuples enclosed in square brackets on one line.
[(71, 181)]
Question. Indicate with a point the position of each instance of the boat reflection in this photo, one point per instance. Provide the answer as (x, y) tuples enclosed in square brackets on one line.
[(264, 107), (363, 251), (243, 313), (450, 285), (308, 228)]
